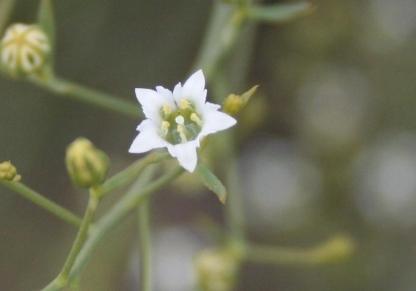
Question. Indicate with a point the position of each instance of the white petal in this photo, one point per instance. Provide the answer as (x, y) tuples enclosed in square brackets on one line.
[(216, 121), (147, 139), (186, 154), (195, 82), (166, 93), (194, 88), (151, 102)]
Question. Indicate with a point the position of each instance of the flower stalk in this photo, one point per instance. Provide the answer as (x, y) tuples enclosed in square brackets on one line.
[(139, 192), (63, 278), (72, 90), (43, 202)]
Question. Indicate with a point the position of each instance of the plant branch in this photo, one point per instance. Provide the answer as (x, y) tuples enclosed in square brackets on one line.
[(77, 92), (43, 202), (62, 279), (129, 174), (133, 198)]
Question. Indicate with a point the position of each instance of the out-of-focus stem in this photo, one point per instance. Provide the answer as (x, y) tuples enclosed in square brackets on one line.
[(77, 92), (43, 202), (335, 249), (145, 246), (223, 29)]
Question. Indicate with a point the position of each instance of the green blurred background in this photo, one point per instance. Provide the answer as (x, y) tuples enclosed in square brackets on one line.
[(327, 146)]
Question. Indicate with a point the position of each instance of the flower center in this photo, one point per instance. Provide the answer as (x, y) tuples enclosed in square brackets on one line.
[(180, 124)]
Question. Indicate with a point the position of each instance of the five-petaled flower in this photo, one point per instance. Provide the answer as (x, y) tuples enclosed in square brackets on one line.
[(178, 120)]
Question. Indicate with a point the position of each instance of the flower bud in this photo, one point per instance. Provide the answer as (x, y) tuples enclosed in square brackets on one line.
[(8, 172), (24, 49), (87, 166), (234, 103), (216, 270)]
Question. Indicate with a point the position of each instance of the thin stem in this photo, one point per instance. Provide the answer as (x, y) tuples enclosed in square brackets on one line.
[(126, 205), (145, 245), (62, 279), (43, 202), (335, 249), (80, 93), (129, 174)]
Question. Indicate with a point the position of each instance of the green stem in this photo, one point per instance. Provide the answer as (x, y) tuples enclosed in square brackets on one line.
[(145, 246), (43, 202), (80, 93), (126, 205), (335, 249), (62, 279), (129, 174)]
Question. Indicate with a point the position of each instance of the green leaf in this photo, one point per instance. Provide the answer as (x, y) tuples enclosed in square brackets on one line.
[(279, 12), (46, 20), (211, 182)]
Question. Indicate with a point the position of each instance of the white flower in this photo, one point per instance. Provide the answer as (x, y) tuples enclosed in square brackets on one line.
[(178, 120)]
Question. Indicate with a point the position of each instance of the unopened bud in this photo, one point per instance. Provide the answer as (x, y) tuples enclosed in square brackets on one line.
[(234, 103), (24, 49), (216, 270), (8, 172), (87, 166)]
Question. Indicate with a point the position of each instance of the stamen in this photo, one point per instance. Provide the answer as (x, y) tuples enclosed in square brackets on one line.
[(166, 109), (182, 132), (165, 127), (184, 104), (195, 118)]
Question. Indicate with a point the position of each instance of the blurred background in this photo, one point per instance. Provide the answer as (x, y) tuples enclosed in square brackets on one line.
[(328, 145)]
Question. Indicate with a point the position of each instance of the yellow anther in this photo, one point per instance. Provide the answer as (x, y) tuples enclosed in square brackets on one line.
[(165, 127), (184, 104), (182, 132), (166, 109), (195, 118)]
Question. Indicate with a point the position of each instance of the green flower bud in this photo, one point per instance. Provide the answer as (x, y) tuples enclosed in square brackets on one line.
[(216, 270), (234, 103), (87, 166), (24, 49), (8, 172)]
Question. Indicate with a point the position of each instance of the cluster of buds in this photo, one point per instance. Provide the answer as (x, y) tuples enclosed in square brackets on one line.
[(216, 270), (8, 172), (24, 49), (87, 166)]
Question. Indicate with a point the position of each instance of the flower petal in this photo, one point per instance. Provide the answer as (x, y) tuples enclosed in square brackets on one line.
[(194, 89), (147, 139), (166, 93), (186, 154), (215, 121), (151, 102)]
